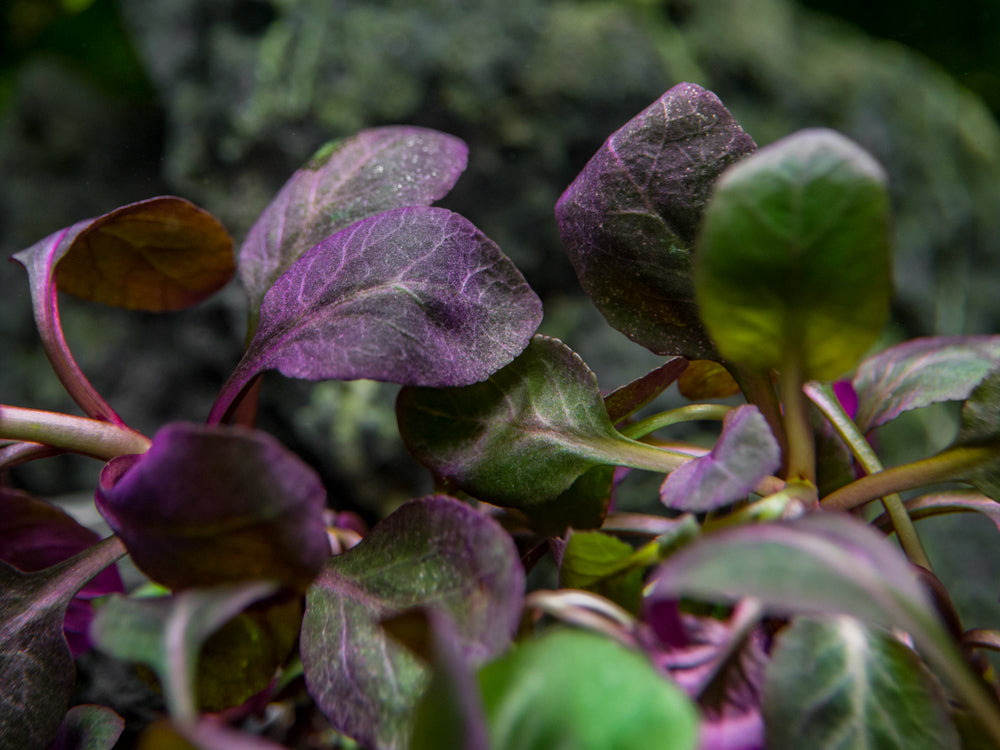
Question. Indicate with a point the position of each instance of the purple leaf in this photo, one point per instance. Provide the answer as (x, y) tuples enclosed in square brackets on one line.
[(745, 453), (435, 553), (628, 221), (625, 401), (919, 373), (35, 535), (347, 180), (208, 505), (416, 296)]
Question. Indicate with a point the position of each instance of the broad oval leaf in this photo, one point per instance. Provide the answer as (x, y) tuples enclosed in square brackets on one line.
[(793, 262), (837, 684), (347, 180), (36, 668), (435, 553), (921, 372), (208, 505), (416, 296), (576, 689), (523, 437), (628, 221), (744, 454)]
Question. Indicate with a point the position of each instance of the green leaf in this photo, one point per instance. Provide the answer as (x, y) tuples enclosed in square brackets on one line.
[(793, 257), (980, 426), (89, 728), (167, 634), (36, 669), (605, 565), (837, 684), (575, 689), (436, 553), (524, 436)]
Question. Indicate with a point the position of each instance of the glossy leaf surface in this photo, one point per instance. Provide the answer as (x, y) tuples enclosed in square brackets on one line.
[(416, 296), (576, 689), (435, 553), (921, 372), (628, 221), (35, 535), (744, 454), (521, 438), (793, 260), (36, 668), (347, 180), (89, 727), (208, 505), (837, 684), (167, 634)]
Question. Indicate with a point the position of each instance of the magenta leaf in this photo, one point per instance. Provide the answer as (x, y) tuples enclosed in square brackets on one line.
[(744, 454), (919, 373), (36, 668), (435, 553), (416, 296), (628, 221), (208, 505), (35, 535), (347, 180)]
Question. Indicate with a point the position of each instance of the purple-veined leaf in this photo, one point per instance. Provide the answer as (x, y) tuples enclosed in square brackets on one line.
[(819, 565), (628, 221), (577, 689), (88, 727), (167, 634), (416, 296), (159, 254), (834, 683), (919, 373), (345, 181), (793, 266), (208, 505), (628, 399), (522, 438), (435, 553), (36, 668), (35, 535), (744, 454)]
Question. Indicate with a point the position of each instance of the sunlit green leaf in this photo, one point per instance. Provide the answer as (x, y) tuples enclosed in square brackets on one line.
[(601, 563)]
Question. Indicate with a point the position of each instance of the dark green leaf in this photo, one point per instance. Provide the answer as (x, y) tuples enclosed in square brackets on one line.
[(575, 689), (793, 262), (837, 684), (980, 426)]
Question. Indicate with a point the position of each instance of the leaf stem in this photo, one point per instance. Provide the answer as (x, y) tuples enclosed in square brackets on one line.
[(800, 460), (826, 400), (948, 465), (690, 413), (759, 391), (91, 437)]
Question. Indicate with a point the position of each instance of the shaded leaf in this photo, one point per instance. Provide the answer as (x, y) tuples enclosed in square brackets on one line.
[(793, 261), (921, 372), (167, 634), (89, 728), (575, 689), (625, 401), (980, 426), (36, 668), (744, 454), (837, 684), (523, 437), (628, 221), (435, 553), (704, 379), (208, 505), (347, 180), (35, 535), (416, 296)]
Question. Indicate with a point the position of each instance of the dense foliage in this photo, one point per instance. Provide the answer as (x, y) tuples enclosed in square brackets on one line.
[(760, 607)]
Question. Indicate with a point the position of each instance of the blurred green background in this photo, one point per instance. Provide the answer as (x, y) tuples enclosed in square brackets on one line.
[(105, 102)]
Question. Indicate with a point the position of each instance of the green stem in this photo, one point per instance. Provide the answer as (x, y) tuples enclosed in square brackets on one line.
[(91, 437), (826, 400), (945, 466), (801, 456), (690, 413)]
